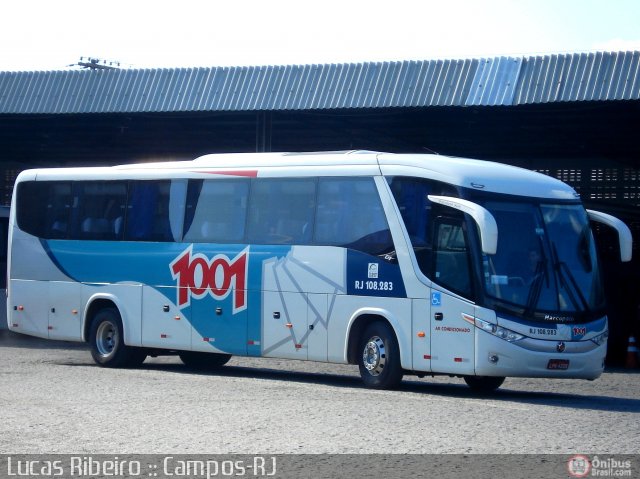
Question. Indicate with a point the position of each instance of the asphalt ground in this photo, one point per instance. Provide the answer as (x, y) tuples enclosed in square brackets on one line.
[(54, 399)]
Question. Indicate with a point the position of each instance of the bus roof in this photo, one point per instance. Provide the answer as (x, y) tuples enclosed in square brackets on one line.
[(479, 174)]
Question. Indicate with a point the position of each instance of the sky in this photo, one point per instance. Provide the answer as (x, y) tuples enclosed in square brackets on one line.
[(52, 35)]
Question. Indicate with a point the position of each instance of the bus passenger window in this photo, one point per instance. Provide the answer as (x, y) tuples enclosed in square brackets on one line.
[(350, 215), (155, 211), (43, 208), (99, 204), (216, 211), (282, 211)]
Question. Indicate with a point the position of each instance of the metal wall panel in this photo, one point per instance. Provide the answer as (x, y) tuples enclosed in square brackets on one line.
[(473, 82), (580, 77), (495, 81)]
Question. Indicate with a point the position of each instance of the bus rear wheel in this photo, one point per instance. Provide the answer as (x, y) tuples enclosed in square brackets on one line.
[(107, 342), (198, 360), (379, 357), (484, 384)]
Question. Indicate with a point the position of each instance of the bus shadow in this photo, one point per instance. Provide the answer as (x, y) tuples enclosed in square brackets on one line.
[(269, 374), (537, 398), (15, 340), (422, 387)]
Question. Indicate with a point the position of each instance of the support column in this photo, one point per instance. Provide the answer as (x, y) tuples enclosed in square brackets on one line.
[(263, 131)]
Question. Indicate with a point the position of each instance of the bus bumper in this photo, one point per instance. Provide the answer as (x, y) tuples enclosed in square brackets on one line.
[(538, 358)]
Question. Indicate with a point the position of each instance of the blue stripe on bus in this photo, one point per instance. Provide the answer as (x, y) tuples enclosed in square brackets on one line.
[(206, 273)]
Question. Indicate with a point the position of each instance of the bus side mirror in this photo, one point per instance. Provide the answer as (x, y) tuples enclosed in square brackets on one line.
[(483, 218), (625, 239)]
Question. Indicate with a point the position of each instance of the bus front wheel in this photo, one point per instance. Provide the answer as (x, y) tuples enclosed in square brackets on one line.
[(107, 342), (379, 357)]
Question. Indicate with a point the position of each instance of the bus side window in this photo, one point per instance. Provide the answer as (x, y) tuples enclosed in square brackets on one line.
[(99, 206), (350, 215), (44, 207), (216, 211), (154, 211), (411, 196), (451, 261), (281, 211)]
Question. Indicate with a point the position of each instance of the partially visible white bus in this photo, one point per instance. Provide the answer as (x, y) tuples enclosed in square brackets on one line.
[(398, 263), (4, 228)]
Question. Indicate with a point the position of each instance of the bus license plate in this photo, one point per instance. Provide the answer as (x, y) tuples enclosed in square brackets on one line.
[(558, 364)]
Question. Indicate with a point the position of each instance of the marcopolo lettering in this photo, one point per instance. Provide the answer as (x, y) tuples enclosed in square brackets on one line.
[(197, 276)]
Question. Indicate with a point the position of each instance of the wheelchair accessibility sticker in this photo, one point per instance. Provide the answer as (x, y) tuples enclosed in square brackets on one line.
[(436, 298)]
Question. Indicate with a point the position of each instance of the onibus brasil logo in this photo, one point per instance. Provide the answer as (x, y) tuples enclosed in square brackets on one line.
[(198, 276), (583, 466)]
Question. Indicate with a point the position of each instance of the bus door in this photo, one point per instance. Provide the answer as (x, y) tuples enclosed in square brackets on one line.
[(421, 314), (452, 337)]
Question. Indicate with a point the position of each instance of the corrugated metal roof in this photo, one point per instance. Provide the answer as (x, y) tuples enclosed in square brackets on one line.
[(580, 77), (495, 82), (489, 82)]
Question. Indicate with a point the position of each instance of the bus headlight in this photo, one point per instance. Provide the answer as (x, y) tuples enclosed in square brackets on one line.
[(502, 333), (600, 338), (508, 335)]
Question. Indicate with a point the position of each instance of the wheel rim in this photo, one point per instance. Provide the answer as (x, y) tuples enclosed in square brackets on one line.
[(374, 356), (106, 338)]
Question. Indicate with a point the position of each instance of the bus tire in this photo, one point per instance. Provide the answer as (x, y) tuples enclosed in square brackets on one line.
[(379, 357), (107, 342), (484, 384), (197, 360)]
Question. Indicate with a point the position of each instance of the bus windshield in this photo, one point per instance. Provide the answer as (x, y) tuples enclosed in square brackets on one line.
[(546, 260)]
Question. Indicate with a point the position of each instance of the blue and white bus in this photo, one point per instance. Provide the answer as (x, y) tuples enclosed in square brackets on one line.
[(4, 229), (399, 263)]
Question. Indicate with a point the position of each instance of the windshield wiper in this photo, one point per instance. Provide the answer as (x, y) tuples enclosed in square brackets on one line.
[(563, 273), (536, 287), (540, 273)]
